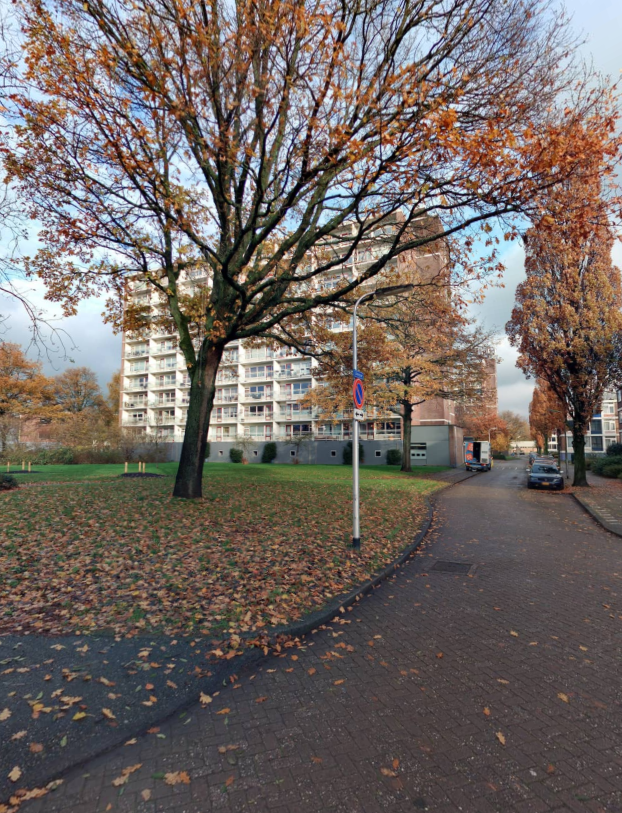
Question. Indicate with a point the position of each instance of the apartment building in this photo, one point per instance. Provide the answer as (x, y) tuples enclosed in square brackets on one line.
[(603, 430), (258, 389)]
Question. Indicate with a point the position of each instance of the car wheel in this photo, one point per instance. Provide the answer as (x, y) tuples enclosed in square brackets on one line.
[(529, 485)]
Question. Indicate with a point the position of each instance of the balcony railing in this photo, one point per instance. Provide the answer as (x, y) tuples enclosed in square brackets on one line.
[(302, 372), (132, 354), (266, 375), (257, 418), (163, 385), (225, 399), (134, 421), (160, 351), (142, 404), (257, 396), (227, 418), (162, 368), (131, 387), (290, 415), (161, 404), (183, 401)]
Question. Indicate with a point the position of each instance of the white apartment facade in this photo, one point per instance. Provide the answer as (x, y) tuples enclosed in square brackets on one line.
[(603, 429), (258, 389)]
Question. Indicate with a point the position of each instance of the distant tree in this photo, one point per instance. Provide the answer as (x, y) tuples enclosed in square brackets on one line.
[(24, 392), (412, 350), (113, 398), (76, 390), (566, 322), (158, 139), (481, 423), (518, 428), (546, 415)]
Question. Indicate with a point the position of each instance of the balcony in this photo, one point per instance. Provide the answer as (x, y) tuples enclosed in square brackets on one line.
[(161, 404), (257, 396), (163, 368), (226, 399), (160, 351), (267, 375), (261, 418), (137, 404), (183, 401), (131, 421), (139, 385), (132, 354), (229, 359), (229, 377), (163, 385), (302, 372), (295, 415)]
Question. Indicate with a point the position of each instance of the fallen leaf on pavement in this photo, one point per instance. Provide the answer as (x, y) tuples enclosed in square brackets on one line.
[(257, 700), (387, 772), (229, 781), (317, 760), (224, 711), (500, 737), (339, 682), (177, 778), (146, 794), (204, 699), (18, 735), (515, 634), (486, 711), (5, 714), (311, 671), (15, 774), (125, 774), (563, 697), (107, 713), (36, 747)]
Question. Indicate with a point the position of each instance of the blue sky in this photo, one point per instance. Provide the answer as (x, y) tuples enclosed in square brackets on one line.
[(90, 342)]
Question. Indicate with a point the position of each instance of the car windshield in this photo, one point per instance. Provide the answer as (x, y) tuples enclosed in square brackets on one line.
[(538, 468)]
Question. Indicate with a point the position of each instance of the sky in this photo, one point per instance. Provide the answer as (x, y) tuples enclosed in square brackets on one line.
[(87, 341)]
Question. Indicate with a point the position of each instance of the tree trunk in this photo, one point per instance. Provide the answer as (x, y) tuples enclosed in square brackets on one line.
[(580, 472), (407, 422), (188, 483), (546, 443)]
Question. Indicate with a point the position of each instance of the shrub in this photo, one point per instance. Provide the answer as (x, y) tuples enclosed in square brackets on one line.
[(7, 482), (347, 453), (615, 450), (394, 457), (599, 463), (269, 452), (612, 470), (235, 455), (207, 450)]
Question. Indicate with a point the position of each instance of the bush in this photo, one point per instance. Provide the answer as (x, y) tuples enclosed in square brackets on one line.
[(598, 464), (235, 455), (207, 450), (7, 482), (347, 453), (615, 450), (269, 452), (612, 470), (394, 457)]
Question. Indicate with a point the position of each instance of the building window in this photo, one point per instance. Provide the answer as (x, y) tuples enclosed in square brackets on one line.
[(220, 453), (255, 452), (378, 453), (597, 444), (293, 452), (333, 453), (596, 427)]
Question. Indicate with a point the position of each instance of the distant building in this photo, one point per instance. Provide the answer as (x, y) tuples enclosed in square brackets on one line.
[(603, 430)]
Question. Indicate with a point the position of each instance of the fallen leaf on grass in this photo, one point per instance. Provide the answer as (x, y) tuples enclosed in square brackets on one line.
[(15, 774), (125, 775), (500, 737), (177, 778)]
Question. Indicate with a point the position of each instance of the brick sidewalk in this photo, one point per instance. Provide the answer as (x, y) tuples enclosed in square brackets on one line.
[(493, 690), (603, 500)]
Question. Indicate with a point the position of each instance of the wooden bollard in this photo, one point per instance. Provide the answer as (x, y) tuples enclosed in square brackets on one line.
[(29, 465), (126, 467)]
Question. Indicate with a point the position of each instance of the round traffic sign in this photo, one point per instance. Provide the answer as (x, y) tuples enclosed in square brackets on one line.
[(358, 393)]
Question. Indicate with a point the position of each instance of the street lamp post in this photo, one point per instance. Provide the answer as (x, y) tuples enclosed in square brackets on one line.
[(492, 429), (379, 293)]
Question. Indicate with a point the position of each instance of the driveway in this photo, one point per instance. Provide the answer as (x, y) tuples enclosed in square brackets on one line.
[(492, 689)]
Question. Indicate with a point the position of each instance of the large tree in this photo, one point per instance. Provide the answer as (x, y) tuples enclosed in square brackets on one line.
[(161, 137), (566, 322), (482, 423), (518, 428)]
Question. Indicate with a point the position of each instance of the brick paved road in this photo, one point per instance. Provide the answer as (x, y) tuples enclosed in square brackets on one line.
[(388, 711)]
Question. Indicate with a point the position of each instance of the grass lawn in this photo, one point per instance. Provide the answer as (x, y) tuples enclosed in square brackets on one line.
[(264, 546)]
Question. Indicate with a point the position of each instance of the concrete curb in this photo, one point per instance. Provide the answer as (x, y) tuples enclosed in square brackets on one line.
[(594, 513), (55, 768)]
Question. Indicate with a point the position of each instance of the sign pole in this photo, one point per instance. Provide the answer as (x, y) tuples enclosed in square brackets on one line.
[(356, 528)]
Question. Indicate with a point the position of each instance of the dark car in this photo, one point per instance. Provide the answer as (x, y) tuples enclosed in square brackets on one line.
[(543, 474)]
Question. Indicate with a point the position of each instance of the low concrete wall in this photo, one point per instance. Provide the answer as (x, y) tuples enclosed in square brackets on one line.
[(325, 452)]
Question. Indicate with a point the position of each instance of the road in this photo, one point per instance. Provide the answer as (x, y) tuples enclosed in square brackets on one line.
[(493, 690)]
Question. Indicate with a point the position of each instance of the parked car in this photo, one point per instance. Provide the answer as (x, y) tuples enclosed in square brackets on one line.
[(544, 474), (532, 457)]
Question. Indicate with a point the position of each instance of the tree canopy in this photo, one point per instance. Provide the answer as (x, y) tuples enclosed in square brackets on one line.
[(264, 145)]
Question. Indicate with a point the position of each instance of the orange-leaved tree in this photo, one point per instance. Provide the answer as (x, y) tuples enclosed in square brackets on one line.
[(173, 141), (481, 423), (24, 392), (566, 322), (546, 415), (420, 347)]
